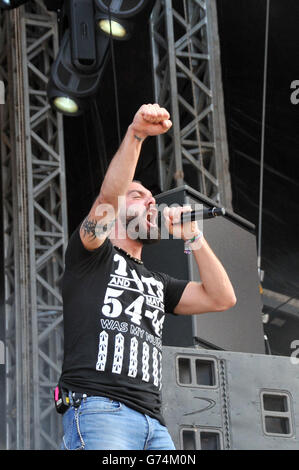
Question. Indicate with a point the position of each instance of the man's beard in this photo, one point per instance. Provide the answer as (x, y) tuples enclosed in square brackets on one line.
[(141, 232)]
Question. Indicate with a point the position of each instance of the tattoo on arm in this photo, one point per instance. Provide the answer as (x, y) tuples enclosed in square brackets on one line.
[(94, 228), (89, 227)]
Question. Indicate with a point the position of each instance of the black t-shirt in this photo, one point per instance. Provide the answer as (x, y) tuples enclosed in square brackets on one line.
[(114, 309)]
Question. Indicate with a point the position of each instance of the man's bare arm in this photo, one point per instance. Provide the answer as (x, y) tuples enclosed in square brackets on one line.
[(150, 120), (215, 292)]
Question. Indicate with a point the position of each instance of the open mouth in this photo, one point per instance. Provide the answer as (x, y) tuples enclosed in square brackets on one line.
[(151, 218)]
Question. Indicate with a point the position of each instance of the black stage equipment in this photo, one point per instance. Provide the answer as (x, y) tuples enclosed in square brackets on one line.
[(78, 67), (77, 70)]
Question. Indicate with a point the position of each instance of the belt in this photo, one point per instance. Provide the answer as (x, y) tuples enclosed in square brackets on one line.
[(77, 397)]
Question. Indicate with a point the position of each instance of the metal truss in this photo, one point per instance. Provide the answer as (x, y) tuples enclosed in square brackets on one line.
[(187, 80), (35, 226)]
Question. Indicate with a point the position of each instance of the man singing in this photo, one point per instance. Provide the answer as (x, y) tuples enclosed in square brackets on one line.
[(114, 307)]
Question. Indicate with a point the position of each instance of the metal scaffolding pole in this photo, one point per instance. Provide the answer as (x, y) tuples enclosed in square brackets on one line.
[(187, 80), (35, 226)]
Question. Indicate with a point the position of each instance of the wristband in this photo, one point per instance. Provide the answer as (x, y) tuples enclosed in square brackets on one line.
[(187, 249), (138, 138)]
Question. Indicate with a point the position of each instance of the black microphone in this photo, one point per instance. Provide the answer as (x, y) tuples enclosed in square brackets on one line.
[(202, 214)]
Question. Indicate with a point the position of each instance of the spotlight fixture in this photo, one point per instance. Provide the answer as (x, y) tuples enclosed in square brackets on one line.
[(10, 4), (66, 105), (70, 88), (117, 28), (111, 16), (63, 102), (77, 70)]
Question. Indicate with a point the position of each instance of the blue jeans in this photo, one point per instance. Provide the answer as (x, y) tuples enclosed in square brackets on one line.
[(100, 423)]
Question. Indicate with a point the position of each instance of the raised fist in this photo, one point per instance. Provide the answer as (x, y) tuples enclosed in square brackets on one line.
[(151, 120)]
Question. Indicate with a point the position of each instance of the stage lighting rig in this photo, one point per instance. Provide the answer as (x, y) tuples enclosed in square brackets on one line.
[(79, 65), (84, 50), (118, 29), (64, 102)]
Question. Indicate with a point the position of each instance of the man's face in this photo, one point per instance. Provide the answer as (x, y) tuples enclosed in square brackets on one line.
[(141, 214)]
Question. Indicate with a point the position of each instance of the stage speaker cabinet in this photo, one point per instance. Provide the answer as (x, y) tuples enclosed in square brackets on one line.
[(224, 400), (233, 240)]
